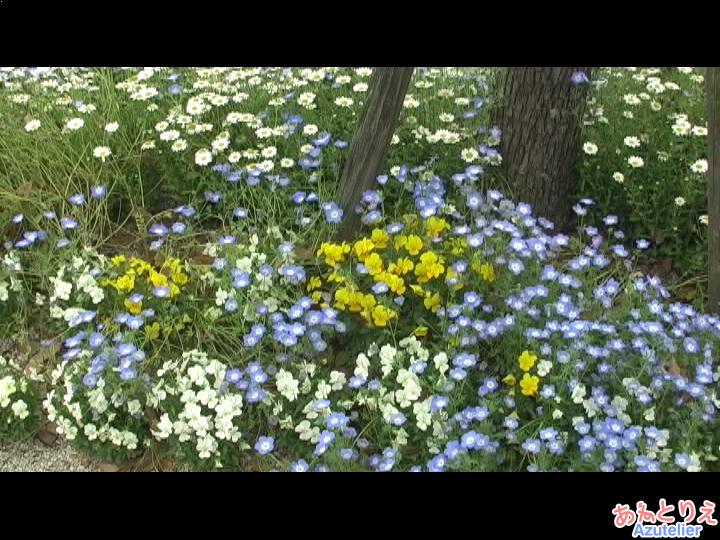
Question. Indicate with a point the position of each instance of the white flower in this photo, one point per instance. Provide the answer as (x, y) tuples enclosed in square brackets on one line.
[(343, 101), (618, 177), (543, 367), (469, 155), (632, 142), (203, 157), (20, 409), (286, 385), (703, 219), (112, 127), (700, 166), (75, 124), (679, 201), (101, 152), (32, 125), (310, 129), (635, 161)]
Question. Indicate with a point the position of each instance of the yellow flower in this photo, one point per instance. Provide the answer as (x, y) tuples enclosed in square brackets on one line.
[(356, 299), (174, 290), (118, 260), (526, 360), (314, 283), (428, 268), (374, 264), (432, 302), (362, 248), (380, 238), (458, 246), (510, 379), (400, 241), (335, 277), (125, 283), (342, 298), (140, 266), (157, 279), (421, 331), (316, 296), (414, 244), (529, 384), (402, 266), (487, 272), (396, 283), (152, 331), (179, 278), (417, 289), (167, 331), (133, 307), (435, 226), (334, 253), (381, 315)]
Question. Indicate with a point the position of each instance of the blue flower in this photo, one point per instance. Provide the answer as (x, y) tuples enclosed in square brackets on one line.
[(531, 446), (77, 199), (98, 191), (437, 464), (336, 420), (68, 223), (299, 466), (265, 445)]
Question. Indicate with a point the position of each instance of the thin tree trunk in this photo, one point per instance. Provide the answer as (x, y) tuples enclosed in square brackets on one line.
[(540, 122), (379, 118), (712, 80)]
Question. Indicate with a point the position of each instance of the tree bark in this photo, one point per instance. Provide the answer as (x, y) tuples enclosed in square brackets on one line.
[(378, 120), (712, 81), (540, 121)]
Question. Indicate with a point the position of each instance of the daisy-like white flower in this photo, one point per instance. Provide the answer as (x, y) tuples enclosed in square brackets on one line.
[(310, 129), (679, 201), (203, 157), (590, 148), (32, 125), (469, 155), (112, 127), (619, 177), (75, 124), (635, 161), (269, 152), (101, 152), (360, 87), (179, 145), (343, 101), (703, 219), (632, 142), (700, 166)]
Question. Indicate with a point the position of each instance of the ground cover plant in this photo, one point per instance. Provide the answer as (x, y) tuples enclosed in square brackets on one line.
[(170, 239)]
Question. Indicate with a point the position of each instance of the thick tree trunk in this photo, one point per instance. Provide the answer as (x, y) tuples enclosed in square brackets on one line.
[(379, 118), (540, 121), (712, 80)]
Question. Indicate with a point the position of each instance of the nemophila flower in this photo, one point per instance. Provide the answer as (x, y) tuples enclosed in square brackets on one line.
[(265, 445), (437, 464), (438, 403), (579, 77), (213, 196), (77, 199), (531, 446)]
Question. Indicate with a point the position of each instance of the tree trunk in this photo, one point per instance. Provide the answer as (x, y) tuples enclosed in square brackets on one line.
[(379, 118), (712, 80), (540, 122)]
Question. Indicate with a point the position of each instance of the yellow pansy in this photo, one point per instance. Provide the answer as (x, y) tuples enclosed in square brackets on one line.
[(133, 307), (381, 315), (526, 360), (374, 264), (157, 279), (414, 244), (333, 253), (118, 260), (400, 241), (152, 331), (125, 283), (432, 302), (429, 267), (140, 266), (314, 283), (435, 226), (402, 266), (342, 298), (529, 384), (421, 331), (487, 272), (356, 299), (335, 278), (179, 278), (362, 248), (316, 296), (380, 238), (509, 379)]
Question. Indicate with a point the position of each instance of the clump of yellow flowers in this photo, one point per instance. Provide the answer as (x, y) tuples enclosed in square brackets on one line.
[(529, 383), (170, 274)]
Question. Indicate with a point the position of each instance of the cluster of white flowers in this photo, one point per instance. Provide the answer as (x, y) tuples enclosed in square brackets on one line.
[(204, 407), (15, 397), (67, 406)]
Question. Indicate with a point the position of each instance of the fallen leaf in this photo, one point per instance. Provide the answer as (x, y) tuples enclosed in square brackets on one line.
[(304, 252), (674, 368), (108, 467), (48, 438), (24, 189)]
